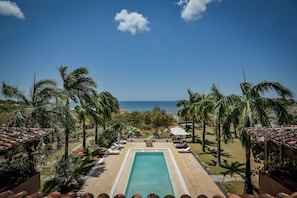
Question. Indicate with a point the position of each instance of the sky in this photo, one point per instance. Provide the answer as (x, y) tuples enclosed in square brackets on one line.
[(151, 49)]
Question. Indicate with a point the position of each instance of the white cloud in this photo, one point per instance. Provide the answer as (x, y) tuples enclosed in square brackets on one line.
[(193, 9), (132, 22), (10, 8)]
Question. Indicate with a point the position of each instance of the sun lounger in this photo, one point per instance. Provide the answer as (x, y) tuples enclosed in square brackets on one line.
[(182, 145), (119, 146), (185, 150), (113, 152), (123, 141)]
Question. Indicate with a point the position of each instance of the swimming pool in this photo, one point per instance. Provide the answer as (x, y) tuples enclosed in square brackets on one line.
[(129, 172), (149, 174)]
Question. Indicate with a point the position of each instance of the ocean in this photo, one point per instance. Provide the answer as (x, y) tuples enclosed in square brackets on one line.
[(142, 106)]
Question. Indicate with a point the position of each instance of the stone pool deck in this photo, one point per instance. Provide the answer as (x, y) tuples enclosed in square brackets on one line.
[(195, 177)]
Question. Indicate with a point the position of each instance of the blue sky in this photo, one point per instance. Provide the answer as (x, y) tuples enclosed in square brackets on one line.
[(151, 49)]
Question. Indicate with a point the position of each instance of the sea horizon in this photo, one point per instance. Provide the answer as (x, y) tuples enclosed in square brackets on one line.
[(147, 105)]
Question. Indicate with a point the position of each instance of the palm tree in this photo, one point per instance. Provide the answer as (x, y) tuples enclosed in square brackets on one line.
[(204, 108), (107, 104), (77, 85), (252, 106), (219, 111), (37, 106), (189, 109), (82, 111)]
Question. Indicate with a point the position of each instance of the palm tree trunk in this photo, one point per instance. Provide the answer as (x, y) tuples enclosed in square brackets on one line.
[(203, 135), (248, 188), (84, 135), (235, 132), (193, 130), (96, 133), (219, 145), (66, 143)]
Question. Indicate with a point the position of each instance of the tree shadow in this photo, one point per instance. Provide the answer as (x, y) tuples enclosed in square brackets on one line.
[(210, 143), (214, 152), (233, 168), (212, 163)]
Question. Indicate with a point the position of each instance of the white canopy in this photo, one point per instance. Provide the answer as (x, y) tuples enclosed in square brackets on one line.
[(178, 131)]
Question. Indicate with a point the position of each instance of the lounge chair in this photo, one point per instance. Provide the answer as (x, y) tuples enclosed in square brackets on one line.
[(182, 145), (113, 151), (185, 150), (123, 141), (119, 146)]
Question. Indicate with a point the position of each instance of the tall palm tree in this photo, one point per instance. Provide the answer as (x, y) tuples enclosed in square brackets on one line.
[(107, 104), (82, 111), (205, 107), (219, 112), (252, 106), (189, 109), (37, 106), (76, 85)]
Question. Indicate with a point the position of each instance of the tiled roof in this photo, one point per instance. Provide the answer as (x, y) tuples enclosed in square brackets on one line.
[(11, 137), (24, 194), (286, 136)]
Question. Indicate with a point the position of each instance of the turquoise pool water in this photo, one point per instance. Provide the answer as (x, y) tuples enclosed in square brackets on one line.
[(149, 174)]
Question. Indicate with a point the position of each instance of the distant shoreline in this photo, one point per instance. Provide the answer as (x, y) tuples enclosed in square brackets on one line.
[(142, 106)]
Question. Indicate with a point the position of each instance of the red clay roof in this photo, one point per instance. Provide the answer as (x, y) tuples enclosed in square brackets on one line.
[(24, 194), (286, 136), (11, 137)]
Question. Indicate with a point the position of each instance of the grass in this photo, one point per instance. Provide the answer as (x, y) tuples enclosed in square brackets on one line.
[(232, 153)]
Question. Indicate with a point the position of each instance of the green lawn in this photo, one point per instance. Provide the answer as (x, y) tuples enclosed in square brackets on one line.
[(232, 152)]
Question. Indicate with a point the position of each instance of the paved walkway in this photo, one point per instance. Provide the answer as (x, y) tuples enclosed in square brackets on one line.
[(195, 177)]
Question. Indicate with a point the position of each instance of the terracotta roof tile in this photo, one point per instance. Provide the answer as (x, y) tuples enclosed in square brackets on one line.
[(286, 136), (11, 137), (56, 194)]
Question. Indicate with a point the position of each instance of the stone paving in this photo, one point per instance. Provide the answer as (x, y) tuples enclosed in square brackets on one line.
[(195, 177)]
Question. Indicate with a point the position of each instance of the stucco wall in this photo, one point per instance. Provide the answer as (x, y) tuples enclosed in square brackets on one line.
[(273, 185), (31, 185)]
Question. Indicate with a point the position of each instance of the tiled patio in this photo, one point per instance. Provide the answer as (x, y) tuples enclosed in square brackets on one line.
[(196, 179)]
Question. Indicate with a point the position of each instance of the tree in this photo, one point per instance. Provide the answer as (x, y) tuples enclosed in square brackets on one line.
[(83, 110), (252, 106), (204, 109), (37, 106), (107, 104), (219, 111), (77, 85), (189, 109)]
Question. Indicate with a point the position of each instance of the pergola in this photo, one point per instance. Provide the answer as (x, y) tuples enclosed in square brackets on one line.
[(284, 137), (12, 137)]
